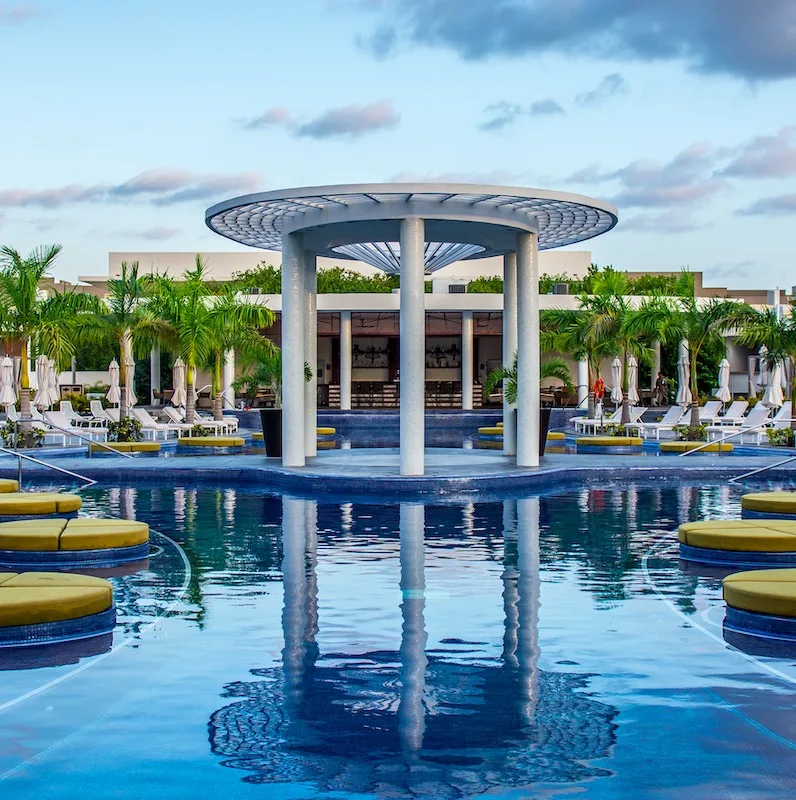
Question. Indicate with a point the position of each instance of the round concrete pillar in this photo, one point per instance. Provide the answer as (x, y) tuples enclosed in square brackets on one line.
[(528, 384), (509, 346), (467, 360), (293, 323), (311, 354)]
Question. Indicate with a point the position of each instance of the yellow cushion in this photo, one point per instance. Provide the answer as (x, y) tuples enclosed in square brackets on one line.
[(13, 503), (764, 591), (101, 534), (683, 447), (490, 430), (31, 598), (754, 536), (326, 431), (777, 502), (610, 441), (257, 437), (327, 445), (8, 485), (211, 441), (6, 576), (31, 535), (556, 436), (499, 425)]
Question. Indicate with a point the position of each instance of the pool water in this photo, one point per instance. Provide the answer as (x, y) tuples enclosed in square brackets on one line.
[(278, 647)]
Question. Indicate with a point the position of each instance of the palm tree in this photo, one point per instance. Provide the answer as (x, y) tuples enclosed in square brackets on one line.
[(700, 325), (25, 315), (777, 334), (127, 321), (263, 368), (551, 368), (200, 320)]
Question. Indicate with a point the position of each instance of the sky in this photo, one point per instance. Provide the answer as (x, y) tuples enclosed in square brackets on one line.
[(123, 122)]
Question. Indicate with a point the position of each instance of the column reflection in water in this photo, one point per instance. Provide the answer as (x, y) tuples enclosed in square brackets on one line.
[(509, 576), (411, 709), (528, 586), (299, 614)]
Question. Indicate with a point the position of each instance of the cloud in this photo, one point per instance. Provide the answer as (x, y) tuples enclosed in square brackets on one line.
[(350, 121), (14, 15), (687, 178), (673, 221), (610, 86), (504, 113), (749, 39), (156, 186), (546, 107), (273, 117), (778, 205), (765, 157)]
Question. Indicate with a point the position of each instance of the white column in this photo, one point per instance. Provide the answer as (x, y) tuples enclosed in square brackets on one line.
[(528, 407), (293, 308), (411, 713), (154, 375), (509, 346), (467, 360), (228, 378), (583, 383), (656, 364), (311, 354), (413, 347), (345, 360)]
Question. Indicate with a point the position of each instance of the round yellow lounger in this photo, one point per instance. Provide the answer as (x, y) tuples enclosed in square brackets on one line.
[(769, 504), (13, 504), (762, 603), (43, 607), (67, 544), (8, 485), (210, 441), (739, 542)]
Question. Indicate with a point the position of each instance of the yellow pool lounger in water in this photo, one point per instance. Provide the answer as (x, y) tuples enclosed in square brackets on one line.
[(211, 441), (22, 503)]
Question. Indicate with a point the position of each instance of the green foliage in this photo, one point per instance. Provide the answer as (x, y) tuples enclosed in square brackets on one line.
[(612, 429), (551, 368), (200, 430), (125, 430), (486, 285), (94, 354), (263, 369), (334, 280), (691, 433), (98, 388), (80, 403), (780, 437), (13, 436)]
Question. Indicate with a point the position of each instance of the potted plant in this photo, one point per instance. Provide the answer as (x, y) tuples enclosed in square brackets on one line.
[(264, 370)]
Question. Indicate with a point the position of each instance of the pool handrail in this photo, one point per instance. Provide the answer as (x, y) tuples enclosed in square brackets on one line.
[(20, 456), (77, 436), (739, 432)]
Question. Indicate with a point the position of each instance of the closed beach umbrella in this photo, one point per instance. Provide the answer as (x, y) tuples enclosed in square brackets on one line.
[(763, 377), (752, 378), (772, 397), (8, 393), (114, 394), (632, 380), (616, 381), (42, 397), (53, 393), (683, 379), (129, 363), (178, 379), (724, 393)]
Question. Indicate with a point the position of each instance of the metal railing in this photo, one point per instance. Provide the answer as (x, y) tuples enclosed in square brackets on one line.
[(739, 432), (71, 432), (26, 457)]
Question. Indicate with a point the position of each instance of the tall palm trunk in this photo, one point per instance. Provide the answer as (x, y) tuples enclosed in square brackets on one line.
[(218, 397), (694, 390), (24, 389), (591, 400), (190, 402)]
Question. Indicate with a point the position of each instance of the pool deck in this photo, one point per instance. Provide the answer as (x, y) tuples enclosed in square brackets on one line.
[(369, 472)]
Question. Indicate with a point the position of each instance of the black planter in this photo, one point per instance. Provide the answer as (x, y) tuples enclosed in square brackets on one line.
[(544, 424), (271, 420)]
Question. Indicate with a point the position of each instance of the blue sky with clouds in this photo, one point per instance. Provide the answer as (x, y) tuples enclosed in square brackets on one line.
[(124, 121)]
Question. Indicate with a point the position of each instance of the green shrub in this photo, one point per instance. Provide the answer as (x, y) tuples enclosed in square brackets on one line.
[(125, 430), (780, 437), (80, 402), (13, 436), (614, 429), (200, 430), (691, 433)]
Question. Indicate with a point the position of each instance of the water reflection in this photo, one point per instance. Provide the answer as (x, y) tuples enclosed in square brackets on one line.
[(413, 722)]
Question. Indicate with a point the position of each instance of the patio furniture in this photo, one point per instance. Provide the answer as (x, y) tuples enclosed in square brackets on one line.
[(735, 414), (673, 417), (12, 415), (59, 420), (150, 427), (756, 417)]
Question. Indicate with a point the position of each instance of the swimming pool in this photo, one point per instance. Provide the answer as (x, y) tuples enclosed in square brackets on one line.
[(281, 647)]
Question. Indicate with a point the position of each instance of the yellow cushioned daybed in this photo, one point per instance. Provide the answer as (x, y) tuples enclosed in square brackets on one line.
[(609, 441), (762, 591), (127, 447), (21, 503), (556, 436), (686, 447), (741, 535), (211, 441), (773, 502), (326, 431), (491, 430), (7, 485), (258, 436), (32, 598)]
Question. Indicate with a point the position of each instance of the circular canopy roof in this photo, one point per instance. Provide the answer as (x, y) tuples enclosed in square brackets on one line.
[(362, 221)]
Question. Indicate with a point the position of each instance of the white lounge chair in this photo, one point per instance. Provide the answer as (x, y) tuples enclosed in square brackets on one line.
[(75, 418), (636, 413), (581, 423), (150, 427), (780, 420), (179, 419), (12, 415), (709, 413), (735, 414), (674, 416), (101, 414), (755, 419), (62, 424)]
